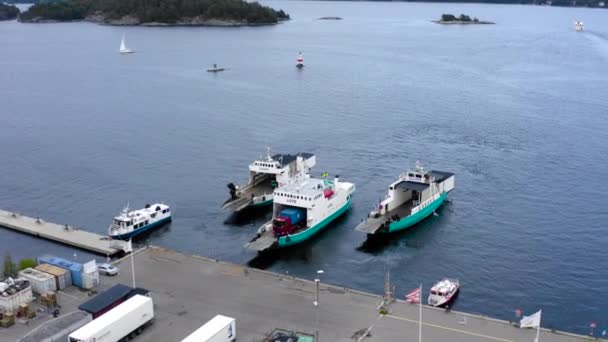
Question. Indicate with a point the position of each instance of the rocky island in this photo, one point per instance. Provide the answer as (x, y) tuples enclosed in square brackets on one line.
[(8, 12), (155, 12), (462, 19)]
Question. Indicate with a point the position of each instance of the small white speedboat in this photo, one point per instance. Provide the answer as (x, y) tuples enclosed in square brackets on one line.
[(443, 292), (215, 69), (579, 26)]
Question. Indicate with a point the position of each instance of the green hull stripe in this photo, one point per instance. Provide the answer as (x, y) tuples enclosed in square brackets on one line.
[(417, 217), (263, 203), (290, 240)]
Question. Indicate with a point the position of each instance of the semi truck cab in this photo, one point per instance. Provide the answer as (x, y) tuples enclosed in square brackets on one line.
[(288, 221)]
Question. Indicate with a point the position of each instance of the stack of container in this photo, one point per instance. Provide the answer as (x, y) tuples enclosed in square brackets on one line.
[(41, 282), (83, 277), (63, 277), (14, 293)]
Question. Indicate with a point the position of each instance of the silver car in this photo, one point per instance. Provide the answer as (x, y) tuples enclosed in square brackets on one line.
[(107, 269)]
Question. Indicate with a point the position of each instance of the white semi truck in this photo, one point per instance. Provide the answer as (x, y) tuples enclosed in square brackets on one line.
[(126, 320), (218, 329)]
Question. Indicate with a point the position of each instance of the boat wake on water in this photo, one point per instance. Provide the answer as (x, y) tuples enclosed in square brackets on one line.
[(600, 41)]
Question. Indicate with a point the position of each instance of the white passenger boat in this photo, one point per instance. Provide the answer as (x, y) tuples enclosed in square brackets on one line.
[(266, 174), (443, 292), (131, 223)]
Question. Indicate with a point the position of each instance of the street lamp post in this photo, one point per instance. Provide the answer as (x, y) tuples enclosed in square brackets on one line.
[(132, 261), (316, 304)]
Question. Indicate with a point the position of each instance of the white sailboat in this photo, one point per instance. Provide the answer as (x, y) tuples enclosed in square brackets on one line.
[(123, 46)]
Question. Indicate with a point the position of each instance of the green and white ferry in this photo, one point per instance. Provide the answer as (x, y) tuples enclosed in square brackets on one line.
[(266, 174), (301, 210), (412, 198)]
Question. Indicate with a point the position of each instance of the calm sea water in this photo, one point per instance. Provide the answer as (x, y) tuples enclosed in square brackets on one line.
[(517, 110)]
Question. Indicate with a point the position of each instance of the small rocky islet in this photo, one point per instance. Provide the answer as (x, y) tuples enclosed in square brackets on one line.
[(463, 19)]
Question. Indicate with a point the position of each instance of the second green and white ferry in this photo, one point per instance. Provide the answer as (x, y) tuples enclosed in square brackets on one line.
[(301, 210), (412, 198), (266, 174)]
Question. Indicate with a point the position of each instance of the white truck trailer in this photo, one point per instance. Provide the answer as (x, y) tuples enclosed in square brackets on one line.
[(127, 319), (218, 329)]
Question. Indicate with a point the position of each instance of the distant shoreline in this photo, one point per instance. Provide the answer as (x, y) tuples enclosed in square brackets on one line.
[(128, 22), (220, 13)]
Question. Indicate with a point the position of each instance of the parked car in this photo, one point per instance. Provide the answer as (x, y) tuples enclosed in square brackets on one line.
[(107, 269)]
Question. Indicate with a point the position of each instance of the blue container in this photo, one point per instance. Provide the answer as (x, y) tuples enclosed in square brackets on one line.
[(294, 214), (72, 266)]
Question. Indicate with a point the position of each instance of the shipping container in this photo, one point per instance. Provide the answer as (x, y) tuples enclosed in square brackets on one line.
[(90, 275), (106, 300), (72, 266), (13, 295), (127, 319), (218, 329), (41, 282), (58, 329), (62, 276), (90, 280)]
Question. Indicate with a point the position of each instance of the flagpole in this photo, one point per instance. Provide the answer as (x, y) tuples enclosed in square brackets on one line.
[(538, 326), (420, 315)]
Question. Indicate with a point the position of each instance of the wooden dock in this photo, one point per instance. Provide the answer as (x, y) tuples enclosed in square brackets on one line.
[(61, 233)]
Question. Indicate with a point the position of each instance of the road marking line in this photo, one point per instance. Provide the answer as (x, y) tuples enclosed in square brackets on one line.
[(450, 329), (68, 295)]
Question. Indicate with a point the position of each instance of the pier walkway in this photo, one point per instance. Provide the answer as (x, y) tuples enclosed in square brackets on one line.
[(64, 234), (190, 290)]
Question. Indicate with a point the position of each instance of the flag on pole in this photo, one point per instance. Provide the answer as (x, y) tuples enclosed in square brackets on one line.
[(324, 175), (413, 297), (593, 325), (532, 321)]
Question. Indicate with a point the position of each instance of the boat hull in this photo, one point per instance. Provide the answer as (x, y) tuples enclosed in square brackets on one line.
[(411, 220), (260, 204), (448, 301), (141, 230), (290, 240)]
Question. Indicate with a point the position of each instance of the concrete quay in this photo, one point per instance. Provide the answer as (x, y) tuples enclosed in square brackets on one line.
[(190, 290), (64, 234)]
